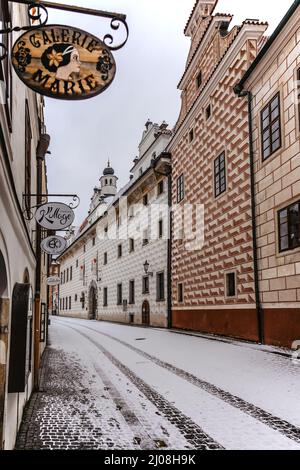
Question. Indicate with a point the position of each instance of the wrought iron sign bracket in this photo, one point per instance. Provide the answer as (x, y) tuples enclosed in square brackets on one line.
[(41, 16), (28, 211)]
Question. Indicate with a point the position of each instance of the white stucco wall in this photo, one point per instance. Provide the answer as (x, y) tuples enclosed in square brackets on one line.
[(131, 265), (14, 243)]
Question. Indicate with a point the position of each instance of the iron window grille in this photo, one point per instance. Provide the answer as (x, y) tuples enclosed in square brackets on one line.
[(220, 175), (180, 188)]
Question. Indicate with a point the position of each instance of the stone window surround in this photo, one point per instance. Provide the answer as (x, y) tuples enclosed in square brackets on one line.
[(258, 148), (268, 108), (131, 292), (215, 198), (180, 194), (297, 105), (281, 254), (159, 190), (119, 293), (231, 271), (131, 245), (144, 290), (105, 297), (161, 228), (162, 298), (178, 284)]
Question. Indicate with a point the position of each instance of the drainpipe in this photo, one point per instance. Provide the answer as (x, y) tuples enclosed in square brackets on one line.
[(260, 315), (42, 148), (169, 273)]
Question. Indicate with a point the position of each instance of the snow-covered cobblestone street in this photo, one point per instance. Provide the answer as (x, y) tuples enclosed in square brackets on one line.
[(109, 386)]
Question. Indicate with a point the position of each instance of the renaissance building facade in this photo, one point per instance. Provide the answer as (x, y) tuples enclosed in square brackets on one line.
[(272, 88), (213, 283), (116, 267), (23, 290)]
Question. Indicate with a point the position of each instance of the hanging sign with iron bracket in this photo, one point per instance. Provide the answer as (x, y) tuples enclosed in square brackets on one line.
[(54, 216), (29, 211), (54, 245), (63, 62), (60, 61)]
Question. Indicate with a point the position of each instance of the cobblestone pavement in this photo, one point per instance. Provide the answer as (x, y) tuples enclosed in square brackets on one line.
[(281, 425), (101, 392)]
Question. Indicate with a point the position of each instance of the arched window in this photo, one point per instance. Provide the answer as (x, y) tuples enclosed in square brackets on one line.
[(105, 181), (110, 181)]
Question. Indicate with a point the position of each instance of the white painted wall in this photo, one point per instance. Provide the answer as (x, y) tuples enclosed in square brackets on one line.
[(14, 243), (130, 265)]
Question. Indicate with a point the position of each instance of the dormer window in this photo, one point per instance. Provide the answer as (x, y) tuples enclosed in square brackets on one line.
[(199, 79)]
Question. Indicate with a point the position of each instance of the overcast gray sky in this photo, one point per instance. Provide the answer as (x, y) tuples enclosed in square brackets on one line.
[(84, 134)]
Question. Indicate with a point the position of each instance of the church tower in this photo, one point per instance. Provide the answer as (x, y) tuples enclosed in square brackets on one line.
[(108, 182)]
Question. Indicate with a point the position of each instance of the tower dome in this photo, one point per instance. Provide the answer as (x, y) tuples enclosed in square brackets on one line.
[(108, 170), (108, 182)]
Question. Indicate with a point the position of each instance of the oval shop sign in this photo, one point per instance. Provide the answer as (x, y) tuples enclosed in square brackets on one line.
[(54, 245), (63, 62), (55, 216), (53, 281)]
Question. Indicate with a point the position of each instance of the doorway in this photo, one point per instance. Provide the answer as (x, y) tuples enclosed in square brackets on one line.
[(93, 302), (146, 313)]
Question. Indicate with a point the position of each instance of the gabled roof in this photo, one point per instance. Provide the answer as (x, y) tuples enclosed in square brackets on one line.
[(239, 87), (192, 14), (218, 16)]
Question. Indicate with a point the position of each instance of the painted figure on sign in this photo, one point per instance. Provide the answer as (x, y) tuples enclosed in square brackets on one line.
[(63, 59)]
